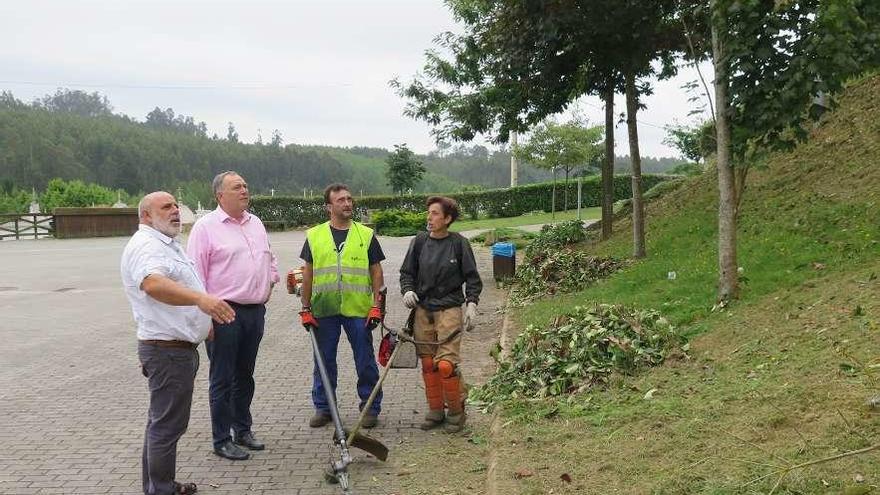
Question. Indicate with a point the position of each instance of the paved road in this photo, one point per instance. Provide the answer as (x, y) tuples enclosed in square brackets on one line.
[(73, 403)]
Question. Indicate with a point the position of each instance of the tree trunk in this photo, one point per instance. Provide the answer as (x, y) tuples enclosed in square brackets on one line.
[(608, 164), (514, 168), (553, 202), (638, 212), (565, 192), (727, 266)]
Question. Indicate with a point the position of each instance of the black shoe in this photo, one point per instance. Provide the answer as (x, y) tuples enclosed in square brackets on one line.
[(230, 451), (370, 421), (247, 439), (320, 419)]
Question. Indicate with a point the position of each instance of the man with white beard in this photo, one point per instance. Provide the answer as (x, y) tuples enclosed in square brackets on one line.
[(173, 315)]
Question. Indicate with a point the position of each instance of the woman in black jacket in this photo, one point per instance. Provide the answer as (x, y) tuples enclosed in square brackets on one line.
[(437, 265)]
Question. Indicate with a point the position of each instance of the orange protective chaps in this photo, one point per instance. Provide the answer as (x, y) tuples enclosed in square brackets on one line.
[(433, 386)]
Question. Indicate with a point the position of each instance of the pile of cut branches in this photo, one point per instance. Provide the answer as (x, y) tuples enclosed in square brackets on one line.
[(578, 351), (552, 264)]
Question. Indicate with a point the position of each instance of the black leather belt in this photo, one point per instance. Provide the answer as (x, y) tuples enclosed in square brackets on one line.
[(171, 343)]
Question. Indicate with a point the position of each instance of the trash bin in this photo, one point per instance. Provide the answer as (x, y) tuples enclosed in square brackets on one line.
[(503, 260)]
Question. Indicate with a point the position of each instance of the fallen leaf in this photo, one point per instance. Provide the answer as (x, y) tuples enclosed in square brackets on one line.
[(650, 394), (523, 473), (565, 477)]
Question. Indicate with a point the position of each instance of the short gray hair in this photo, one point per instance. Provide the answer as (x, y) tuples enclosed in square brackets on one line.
[(217, 183), (142, 206)]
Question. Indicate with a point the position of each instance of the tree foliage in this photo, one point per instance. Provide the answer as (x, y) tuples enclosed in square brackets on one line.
[(695, 142), (170, 151), (565, 146), (76, 102), (771, 59), (404, 169)]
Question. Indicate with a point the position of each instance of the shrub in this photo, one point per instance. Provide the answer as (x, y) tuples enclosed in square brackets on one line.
[(496, 203), (398, 223)]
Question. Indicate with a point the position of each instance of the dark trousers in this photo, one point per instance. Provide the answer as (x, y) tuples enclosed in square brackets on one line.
[(233, 355), (361, 341), (171, 373)]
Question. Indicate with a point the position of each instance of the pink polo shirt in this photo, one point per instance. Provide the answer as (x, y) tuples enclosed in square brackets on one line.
[(233, 257)]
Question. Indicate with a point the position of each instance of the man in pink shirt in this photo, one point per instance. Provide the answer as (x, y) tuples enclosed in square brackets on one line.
[(230, 248)]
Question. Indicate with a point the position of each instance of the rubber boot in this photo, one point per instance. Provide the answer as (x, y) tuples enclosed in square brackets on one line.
[(455, 415), (434, 393)]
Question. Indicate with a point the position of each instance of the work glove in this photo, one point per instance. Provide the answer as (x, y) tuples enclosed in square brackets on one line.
[(410, 299), (470, 316), (374, 317), (308, 319)]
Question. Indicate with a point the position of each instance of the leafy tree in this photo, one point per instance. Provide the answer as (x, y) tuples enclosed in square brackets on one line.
[(771, 59), (562, 146), (231, 133), (14, 201), (521, 61), (75, 193), (10, 102), (277, 140), (693, 142), (165, 119), (404, 169), (76, 102)]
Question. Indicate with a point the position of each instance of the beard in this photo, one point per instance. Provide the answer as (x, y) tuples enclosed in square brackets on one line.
[(166, 227)]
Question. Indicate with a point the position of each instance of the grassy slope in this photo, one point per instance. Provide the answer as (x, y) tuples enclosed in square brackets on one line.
[(763, 383), (592, 213)]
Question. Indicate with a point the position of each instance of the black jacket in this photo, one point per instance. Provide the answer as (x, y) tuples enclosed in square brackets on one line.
[(437, 268)]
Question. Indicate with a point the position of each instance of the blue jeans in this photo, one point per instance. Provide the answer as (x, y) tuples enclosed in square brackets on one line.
[(233, 355), (361, 341)]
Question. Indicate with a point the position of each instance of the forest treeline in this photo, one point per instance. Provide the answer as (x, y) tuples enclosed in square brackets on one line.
[(74, 135)]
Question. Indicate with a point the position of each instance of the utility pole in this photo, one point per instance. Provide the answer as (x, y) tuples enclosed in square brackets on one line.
[(514, 174)]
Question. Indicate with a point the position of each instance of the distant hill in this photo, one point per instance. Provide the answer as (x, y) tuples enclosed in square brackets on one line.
[(76, 135)]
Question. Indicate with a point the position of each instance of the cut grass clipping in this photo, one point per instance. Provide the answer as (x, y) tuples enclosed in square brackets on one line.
[(578, 351)]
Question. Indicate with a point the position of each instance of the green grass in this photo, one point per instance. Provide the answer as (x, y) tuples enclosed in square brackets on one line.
[(519, 238), (531, 219), (815, 238), (778, 378)]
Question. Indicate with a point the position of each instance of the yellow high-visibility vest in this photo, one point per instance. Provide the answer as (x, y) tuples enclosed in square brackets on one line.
[(340, 280)]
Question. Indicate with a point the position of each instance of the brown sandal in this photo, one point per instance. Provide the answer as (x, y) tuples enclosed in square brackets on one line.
[(185, 488)]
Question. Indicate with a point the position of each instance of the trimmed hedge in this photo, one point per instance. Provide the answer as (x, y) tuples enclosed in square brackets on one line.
[(292, 211)]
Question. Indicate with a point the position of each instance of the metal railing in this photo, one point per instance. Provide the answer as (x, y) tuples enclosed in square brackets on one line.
[(26, 226)]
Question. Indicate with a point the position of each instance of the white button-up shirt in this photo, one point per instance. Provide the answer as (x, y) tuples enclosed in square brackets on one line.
[(150, 252)]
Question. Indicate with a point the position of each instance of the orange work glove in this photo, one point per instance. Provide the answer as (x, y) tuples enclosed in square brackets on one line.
[(374, 318), (308, 319)]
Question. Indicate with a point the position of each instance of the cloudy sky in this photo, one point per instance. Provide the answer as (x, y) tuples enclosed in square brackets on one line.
[(317, 71)]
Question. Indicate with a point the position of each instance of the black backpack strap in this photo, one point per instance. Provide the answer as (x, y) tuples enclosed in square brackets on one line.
[(421, 239), (459, 250)]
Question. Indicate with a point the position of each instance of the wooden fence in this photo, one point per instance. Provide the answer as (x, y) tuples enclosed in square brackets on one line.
[(69, 223), (95, 222), (26, 226)]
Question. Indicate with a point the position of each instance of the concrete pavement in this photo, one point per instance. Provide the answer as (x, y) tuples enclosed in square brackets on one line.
[(73, 402)]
